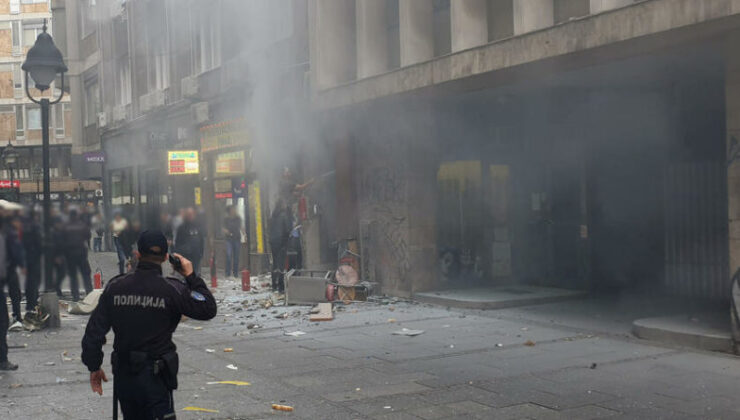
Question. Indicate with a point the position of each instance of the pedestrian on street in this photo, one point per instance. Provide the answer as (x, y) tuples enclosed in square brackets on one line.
[(98, 227), (117, 227), (33, 249), (16, 261), (232, 228), (190, 239), (58, 247), (77, 234), (4, 321), (144, 309), (128, 240), (280, 227)]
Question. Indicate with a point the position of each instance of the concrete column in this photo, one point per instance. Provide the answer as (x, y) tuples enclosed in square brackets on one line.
[(732, 110), (416, 19), (469, 23), (598, 6), (333, 27), (531, 15), (372, 38)]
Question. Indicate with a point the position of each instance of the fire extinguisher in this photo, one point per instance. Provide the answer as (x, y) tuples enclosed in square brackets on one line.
[(98, 279), (246, 281), (214, 277)]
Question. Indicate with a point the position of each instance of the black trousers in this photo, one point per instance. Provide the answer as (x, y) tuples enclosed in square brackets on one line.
[(33, 282), (78, 262), (3, 328), (60, 271), (14, 290), (143, 395)]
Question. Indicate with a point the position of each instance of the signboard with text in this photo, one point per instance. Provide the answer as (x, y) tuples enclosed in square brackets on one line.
[(5, 184), (230, 163), (183, 162), (224, 135), (94, 157)]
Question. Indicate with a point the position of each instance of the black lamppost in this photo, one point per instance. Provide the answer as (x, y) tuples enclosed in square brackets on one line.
[(37, 175), (44, 63), (10, 157)]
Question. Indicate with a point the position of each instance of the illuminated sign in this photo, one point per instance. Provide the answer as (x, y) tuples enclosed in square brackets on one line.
[(4, 184), (183, 162), (230, 163), (224, 135)]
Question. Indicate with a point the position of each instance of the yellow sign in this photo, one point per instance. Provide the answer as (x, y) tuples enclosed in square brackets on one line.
[(230, 163), (183, 162), (198, 200), (257, 200), (224, 135)]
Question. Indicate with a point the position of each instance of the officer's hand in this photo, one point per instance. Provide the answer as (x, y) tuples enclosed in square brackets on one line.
[(96, 381), (186, 267)]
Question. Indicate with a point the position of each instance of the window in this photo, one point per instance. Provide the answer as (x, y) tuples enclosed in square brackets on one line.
[(15, 29), (59, 119), (31, 31), (33, 117), (19, 131), (123, 81), (91, 103), (442, 28), (15, 7), (18, 80), (87, 17), (159, 67), (33, 1), (206, 42)]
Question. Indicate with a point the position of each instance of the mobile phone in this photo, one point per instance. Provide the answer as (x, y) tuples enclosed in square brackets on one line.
[(176, 263)]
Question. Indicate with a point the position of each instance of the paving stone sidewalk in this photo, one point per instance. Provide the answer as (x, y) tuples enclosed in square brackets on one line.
[(506, 364)]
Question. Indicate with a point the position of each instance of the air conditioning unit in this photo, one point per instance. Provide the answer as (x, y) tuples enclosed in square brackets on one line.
[(190, 86), (152, 100), (200, 112), (182, 133), (120, 113), (102, 119)]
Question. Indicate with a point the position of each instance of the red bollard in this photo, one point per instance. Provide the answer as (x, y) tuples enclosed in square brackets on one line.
[(246, 281), (214, 276), (98, 279)]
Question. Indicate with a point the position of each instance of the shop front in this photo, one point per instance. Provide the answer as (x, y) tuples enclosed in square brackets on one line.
[(229, 181)]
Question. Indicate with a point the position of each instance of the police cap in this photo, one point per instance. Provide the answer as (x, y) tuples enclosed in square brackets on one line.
[(152, 242)]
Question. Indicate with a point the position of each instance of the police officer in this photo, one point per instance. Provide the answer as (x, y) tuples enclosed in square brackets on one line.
[(144, 308)]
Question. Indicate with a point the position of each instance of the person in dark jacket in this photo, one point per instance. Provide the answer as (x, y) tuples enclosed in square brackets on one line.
[(232, 229), (16, 261), (77, 234), (4, 363), (280, 227), (32, 246), (58, 246), (190, 239), (144, 309)]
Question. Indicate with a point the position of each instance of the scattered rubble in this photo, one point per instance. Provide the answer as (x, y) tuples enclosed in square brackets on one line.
[(408, 333)]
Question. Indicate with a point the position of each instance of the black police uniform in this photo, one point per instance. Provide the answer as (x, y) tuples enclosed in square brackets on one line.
[(144, 308)]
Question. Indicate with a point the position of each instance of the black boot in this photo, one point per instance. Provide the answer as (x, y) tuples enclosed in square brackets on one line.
[(6, 365)]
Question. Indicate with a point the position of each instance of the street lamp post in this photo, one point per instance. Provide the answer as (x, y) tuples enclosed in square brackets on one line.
[(44, 62), (10, 156), (37, 174)]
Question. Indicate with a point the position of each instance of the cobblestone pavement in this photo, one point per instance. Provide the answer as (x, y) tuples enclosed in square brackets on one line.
[(507, 364)]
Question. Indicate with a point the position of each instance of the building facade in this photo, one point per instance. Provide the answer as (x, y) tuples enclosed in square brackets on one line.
[(20, 119), (568, 143), (168, 101)]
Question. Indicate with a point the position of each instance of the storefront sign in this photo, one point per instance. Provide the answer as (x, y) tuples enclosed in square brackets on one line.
[(4, 183), (224, 135), (198, 200), (95, 157), (223, 196), (230, 163), (183, 162)]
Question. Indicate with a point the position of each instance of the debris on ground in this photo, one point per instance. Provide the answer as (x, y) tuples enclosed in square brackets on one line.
[(325, 313), (391, 320), (14, 386), (232, 367), (199, 409), (279, 407), (499, 345), (228, 350), (295, 333), (530, 343), (593, 366), (409, 333), (210, 351), (235, 383), (88, 304)]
